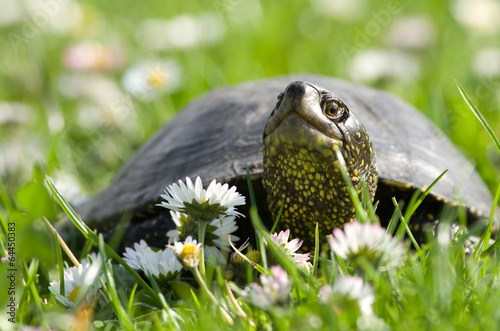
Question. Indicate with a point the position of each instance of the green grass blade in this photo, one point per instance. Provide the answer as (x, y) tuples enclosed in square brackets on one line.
[(120, 312), (316, 249), (361, 215), (89, 234), (408, 232), (479, 116), (417, 199)]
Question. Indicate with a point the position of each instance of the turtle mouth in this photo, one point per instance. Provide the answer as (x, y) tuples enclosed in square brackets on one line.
[(299, 119)]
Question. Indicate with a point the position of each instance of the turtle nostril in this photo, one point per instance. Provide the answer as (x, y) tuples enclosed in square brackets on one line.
[(296, 89)]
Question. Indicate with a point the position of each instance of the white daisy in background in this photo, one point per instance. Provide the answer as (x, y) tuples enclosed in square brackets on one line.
[(188, 252), (215, 202), (368, 241), (349, 292), (216, 241), (11, 12), (486, 63), (342, 10), (101, 102), (275, 289), (181, 32), (411, 32), (85, 277), (291, 247), (93, 55), (150, 79), (372, 65), (161, 264), (481, 16), (15, 113)]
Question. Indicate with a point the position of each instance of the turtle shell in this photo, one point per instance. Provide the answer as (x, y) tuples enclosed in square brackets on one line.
[(219, 135)]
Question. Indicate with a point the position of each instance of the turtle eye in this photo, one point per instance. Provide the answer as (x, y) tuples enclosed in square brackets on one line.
[(334, 108)]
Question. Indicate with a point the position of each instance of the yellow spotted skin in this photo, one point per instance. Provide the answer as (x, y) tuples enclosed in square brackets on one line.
[(301, 172)]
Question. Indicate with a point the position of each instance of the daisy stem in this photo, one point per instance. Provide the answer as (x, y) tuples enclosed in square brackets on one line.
[(202, 226), (204, 286), (197, 275)]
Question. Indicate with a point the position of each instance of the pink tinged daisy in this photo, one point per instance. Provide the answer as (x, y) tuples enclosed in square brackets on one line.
[(150, 79), (275, 289), (80, 280), (161, 264), (202, 205), (368, 241), (291, 247), (349, 293), (93, 55), (188, 252)]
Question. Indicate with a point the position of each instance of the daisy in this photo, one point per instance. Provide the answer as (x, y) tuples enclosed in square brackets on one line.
[(160, 264), (275, 289), (349, 292), (291, 247), (369, 241), (93, 55), (188, 252), (149, 79), (202, 205), (374, 65), (85, 277), (481, 16), (216, 234)]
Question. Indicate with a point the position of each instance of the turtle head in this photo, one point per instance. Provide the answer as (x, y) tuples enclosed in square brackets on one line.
[(301, 171)]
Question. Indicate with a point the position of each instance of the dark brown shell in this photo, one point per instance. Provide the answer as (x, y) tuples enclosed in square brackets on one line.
[(220, 133)]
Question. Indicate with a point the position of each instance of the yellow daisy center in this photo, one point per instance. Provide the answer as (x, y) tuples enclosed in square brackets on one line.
[(73, 294), (157, 77)]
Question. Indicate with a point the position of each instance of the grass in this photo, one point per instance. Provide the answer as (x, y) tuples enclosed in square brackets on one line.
[(439, 286)]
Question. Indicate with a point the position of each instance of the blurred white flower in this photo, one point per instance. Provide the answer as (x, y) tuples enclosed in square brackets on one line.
[(11, 12), (180, 32), (103, 103), (150, 79), (368, 241), (84, 277), (412, 32), (12, 113), (486, 63), (372, 65), (18, 155), (160, 264), (63, 17), (349, 292), (188, 252), (275, 289), (342, 10), (481, 16), (216, 201), (93, 55)]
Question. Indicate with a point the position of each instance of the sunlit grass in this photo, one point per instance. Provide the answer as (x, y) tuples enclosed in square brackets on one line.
[(87, 137)]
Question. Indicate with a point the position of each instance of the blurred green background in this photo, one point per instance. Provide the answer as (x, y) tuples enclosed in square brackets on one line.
[(74, 102)]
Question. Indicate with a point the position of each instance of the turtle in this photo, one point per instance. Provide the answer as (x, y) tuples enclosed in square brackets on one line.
[(283, 134)]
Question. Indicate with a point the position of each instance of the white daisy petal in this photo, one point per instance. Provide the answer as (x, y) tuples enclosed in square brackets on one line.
[(162, 263), (83, 277), (370, 241)]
